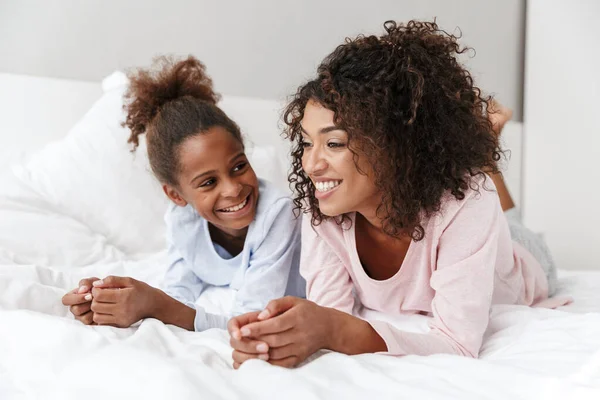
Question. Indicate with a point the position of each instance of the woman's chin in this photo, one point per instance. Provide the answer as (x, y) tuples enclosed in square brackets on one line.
[(331, 210)]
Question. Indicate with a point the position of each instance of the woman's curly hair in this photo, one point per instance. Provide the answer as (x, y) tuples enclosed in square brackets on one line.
[(412, 109)]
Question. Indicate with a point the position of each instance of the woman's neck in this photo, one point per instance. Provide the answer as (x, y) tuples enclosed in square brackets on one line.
[(368, 220), (368, 213)]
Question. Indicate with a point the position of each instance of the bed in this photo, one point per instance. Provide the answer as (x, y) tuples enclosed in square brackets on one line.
[(83, 205)]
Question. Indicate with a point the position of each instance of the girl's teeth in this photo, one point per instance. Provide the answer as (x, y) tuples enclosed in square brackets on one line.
[(326, 186), (236, 208)]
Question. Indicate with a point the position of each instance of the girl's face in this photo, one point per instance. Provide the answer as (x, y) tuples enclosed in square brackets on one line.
[(217, 180), (340, 187)]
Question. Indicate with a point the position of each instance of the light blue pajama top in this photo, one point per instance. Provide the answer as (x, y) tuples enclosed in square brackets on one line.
[(267, 268)]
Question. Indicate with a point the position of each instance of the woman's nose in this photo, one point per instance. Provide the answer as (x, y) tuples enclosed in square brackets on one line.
[(313, 162)]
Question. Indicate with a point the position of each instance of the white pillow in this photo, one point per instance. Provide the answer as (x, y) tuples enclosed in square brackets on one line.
[(92, 177), (96, 185)]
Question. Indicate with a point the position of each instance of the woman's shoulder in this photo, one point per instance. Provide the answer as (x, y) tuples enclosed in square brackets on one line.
[(479, 204), (329, 230)]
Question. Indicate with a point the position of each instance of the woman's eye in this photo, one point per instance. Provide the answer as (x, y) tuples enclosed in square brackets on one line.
[(304, 145), (335, 145), (208, 182), (240, 167)]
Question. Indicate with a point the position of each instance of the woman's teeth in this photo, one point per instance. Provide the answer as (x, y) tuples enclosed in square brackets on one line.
[(326, 186), (236, 207)]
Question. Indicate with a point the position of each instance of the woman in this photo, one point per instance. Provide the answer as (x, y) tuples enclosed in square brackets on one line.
[(392, 161)]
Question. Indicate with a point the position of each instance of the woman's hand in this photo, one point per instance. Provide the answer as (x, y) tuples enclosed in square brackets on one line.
[(292, 328), (121, 302), (245, 348), (79, 301)]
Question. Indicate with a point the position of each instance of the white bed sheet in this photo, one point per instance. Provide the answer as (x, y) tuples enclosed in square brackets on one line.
[(45, 353)]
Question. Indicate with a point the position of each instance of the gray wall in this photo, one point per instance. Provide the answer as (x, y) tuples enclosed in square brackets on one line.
[(261, 48)]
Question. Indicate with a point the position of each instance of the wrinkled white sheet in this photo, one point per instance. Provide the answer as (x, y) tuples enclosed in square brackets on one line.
[(45, 353)]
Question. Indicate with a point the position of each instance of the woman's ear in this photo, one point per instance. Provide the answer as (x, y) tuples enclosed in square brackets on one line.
[(174, 195)]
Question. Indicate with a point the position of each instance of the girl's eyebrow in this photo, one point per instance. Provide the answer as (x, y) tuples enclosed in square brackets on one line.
[(238, 155), (212, 171)]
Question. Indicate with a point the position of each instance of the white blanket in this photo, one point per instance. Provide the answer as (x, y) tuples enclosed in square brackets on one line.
[(45, 353)]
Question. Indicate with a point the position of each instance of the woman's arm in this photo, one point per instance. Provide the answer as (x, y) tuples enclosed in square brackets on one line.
[(463, 282), (327, 281), (300, 328)]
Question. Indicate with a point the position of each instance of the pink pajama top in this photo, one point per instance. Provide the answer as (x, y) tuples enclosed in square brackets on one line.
[(466, 262)]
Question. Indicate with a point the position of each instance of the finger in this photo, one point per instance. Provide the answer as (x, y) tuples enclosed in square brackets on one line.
[(71, 299), (87, 318), (281, 353), (113, 282), (106, 295), (277, 339), (241, 357), (278, 306), (80, 309), (249, 346), (85, 284), (102, 308), (277, 324), (104, 319), (286, 362), (236, 365), (235, 323)]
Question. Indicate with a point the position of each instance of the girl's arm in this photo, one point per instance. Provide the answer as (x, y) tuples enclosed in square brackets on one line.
[(177, 304), (273, 265), (123, 301)]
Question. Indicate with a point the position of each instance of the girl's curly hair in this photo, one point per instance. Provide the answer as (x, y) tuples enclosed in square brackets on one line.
[(170, 102), (412, 109)]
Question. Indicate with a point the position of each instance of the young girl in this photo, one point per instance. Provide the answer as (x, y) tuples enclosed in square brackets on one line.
[(225, 227), (392, 151)]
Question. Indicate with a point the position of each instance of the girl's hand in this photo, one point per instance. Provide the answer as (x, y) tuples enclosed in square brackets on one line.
[(79, 301), (293, 329), (121, 302)]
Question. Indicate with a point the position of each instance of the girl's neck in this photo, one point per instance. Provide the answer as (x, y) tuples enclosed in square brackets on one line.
[(231, 240)]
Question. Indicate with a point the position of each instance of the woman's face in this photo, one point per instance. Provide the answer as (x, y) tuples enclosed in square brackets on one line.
[(217, 180), (340, 187)]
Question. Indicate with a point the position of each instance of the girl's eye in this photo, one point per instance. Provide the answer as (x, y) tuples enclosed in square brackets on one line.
[(304, 145), (335, 145), (240, 167), (208, 182)]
